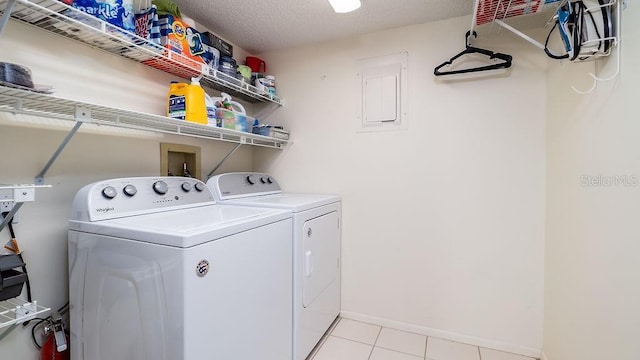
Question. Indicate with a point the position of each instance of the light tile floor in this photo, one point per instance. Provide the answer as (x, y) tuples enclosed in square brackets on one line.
[(354, 340)]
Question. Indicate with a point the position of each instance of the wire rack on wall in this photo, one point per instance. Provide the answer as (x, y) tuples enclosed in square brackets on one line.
[(25, 102), (16, 311), (599, 38), (69, 22), (496, 12), (487, 11)]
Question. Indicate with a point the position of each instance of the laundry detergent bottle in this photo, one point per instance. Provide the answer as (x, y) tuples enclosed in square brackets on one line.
[(187, 102)]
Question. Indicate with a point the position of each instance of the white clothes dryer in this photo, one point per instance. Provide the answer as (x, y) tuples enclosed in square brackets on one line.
[(158, 271), (316, 249)]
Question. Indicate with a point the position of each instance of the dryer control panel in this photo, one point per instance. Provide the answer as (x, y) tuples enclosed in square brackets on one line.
[(115, 198), (239, 185)]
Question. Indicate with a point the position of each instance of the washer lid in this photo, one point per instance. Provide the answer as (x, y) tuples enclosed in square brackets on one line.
[(291, 201), (184, 228)]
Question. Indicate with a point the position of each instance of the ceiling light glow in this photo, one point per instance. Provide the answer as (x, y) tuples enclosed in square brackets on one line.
[(344, 6)]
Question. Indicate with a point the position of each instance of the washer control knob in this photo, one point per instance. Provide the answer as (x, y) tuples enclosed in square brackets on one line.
[(187, 186), (109, 192), (251, 179), (199, 186), (265, 180), (160, 187), (269, 180), (130, 190)]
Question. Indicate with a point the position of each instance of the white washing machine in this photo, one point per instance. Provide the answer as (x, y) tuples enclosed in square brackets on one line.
[(158, 271), (316, 248)]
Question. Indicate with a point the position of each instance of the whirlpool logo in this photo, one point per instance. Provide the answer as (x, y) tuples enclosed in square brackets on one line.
[(105, 210)]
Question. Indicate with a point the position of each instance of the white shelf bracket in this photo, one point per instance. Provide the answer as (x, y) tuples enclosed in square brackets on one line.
[(21, 194), (83, 114), (39, 180), (520, 33), (223, 160)]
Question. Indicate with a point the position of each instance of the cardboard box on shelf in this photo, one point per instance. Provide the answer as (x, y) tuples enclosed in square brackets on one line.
[(178, 37), (224, 47)]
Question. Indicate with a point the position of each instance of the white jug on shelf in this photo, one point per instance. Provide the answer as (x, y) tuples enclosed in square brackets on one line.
[(235, 106)]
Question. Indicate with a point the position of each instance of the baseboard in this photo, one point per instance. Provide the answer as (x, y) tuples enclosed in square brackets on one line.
[(447, 335)]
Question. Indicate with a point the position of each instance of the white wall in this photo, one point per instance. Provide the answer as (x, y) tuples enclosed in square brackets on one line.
[(80, 73), (443, 223), (592, 247)]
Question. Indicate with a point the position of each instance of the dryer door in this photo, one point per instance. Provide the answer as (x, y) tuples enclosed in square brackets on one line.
[(321, 249)]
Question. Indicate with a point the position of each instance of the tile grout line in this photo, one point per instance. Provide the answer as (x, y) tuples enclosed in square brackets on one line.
[(426, 343), (374, 343), (378, 336), (427, 338), (398, 351), (355, 341)]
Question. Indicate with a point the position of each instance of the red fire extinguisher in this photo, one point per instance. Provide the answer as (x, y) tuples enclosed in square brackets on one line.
[(56, 347)]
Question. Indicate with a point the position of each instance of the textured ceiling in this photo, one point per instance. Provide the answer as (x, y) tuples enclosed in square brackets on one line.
[(263, 25)]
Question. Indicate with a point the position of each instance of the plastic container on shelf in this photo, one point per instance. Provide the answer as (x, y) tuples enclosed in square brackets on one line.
[(187, 102), (270, 84), (271, 131), (211, 109), (241, 122), (225, 118), (232, 120)]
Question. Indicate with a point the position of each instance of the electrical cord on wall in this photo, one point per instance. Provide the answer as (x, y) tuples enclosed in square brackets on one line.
[(575, 32), (33, 330)]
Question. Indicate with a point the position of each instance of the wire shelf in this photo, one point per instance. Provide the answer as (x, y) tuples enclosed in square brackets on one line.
[(487, 11), (59, 18), (16, 311), (25, 102)]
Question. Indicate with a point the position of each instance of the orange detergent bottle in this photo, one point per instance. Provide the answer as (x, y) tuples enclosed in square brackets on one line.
[(187, 102)]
